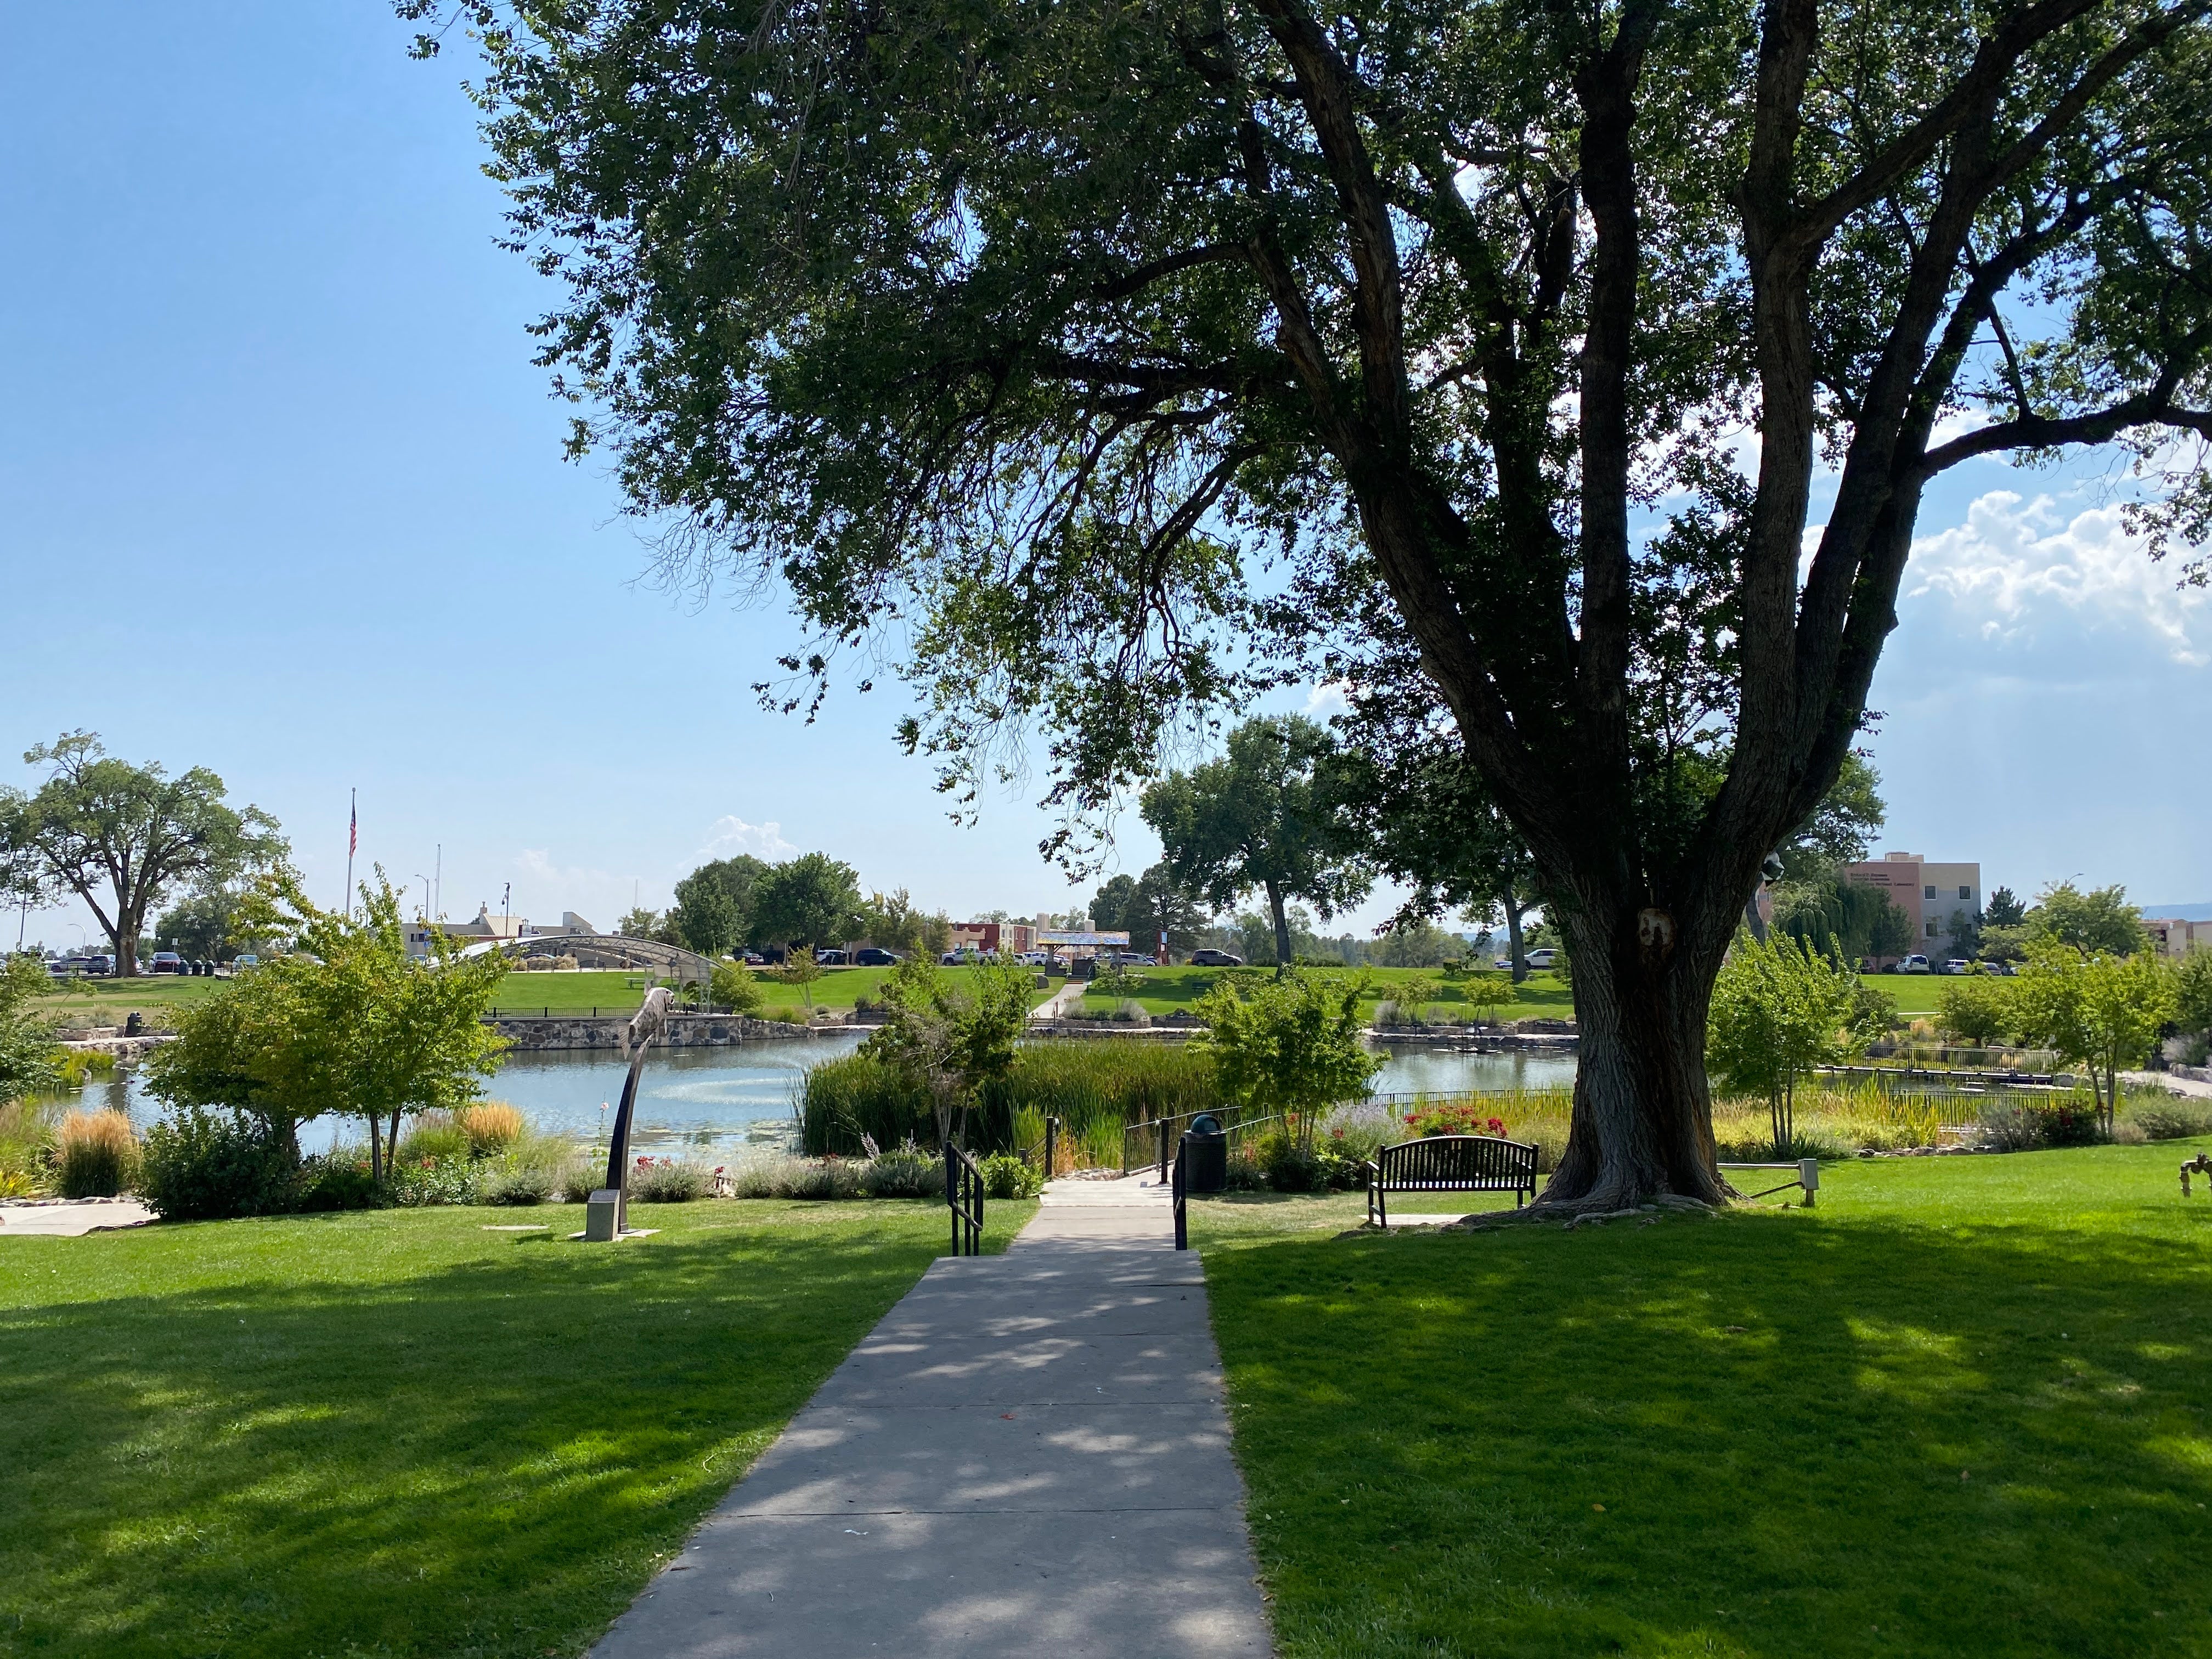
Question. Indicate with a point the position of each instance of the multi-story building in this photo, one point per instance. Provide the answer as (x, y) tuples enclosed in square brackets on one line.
[(2175, 936), (1939, 898)]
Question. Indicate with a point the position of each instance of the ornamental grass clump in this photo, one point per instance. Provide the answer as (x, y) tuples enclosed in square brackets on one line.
[(27, 1131), (491, 1126), (902, 1172), (97, 1156), (668, 1180)]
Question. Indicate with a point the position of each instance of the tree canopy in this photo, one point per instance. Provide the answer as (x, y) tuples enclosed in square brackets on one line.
[(713, 909), (121, 837), (2100, 921), (810, 900), (1100, 366)]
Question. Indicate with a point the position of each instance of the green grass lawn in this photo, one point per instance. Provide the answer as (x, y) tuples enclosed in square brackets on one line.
[(398, 1432), (1173, 990), (1961, 1408)]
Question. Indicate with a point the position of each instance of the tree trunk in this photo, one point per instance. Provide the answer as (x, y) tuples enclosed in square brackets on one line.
[(375, 1152), (1643, 1121), (1514, 952), (1282, 930)]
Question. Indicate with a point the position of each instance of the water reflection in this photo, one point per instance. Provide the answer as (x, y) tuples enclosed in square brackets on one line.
[(737, 1102)]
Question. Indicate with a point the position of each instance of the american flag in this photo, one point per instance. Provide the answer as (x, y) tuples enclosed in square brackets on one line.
[(353, 829)]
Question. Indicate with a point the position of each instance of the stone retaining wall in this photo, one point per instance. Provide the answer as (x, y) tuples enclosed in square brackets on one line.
[(682, 1031)]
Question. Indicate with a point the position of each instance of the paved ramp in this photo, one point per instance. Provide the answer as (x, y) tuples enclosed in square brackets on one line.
[(1028, 1455)]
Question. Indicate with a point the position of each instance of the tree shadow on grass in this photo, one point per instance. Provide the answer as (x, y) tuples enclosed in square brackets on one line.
[(1763, 1434), (484, 1457)]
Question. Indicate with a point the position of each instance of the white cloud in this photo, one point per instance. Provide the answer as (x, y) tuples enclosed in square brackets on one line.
[(2013, 560), (1327, 698), (730, 835)]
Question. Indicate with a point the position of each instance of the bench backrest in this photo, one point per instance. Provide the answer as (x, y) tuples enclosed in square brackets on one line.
[(1456, 1164)]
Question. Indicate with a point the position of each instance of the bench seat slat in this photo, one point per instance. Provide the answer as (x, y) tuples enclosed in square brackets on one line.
[(1451, 1163)]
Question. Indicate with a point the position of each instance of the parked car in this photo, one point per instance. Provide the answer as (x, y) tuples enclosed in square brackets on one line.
[(829, 958), (241, 962), (1912, 964), (1210, 957), (100, 966), (872, 958), (1542, 956), (165, 962), (754, 959), (65, 967), (1957, 965)]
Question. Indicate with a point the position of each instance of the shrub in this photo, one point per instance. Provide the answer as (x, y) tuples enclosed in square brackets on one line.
[(422, 1182), (1244, 1176), (1464, 1117), (667, 1181), (74, 1066), (97, 1156), (2023, 1126), (821, 1178), (341, 1181), (26, 1145), (766, 1177), (434, 1137), (520, 1184), (204, 1164), (2174, 1120), (1006, 1175), (1129, 1011), (491, 1126), (581, 1179), (902, 1173)]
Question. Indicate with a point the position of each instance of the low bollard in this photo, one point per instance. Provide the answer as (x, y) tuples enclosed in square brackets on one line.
[(603, 1216)]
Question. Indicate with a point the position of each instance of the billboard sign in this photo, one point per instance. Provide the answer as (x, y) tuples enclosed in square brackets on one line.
[(1064, 936)]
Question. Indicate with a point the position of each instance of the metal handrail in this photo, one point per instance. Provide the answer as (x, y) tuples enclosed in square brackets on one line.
[(1050, 1145), (1161, 1126), (964, 1196), (1179, 1195), (1804, 1174)]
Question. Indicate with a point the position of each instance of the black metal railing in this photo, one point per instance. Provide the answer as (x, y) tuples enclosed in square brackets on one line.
[(1179, 1196), (964, 1196), (1163, 1129), (1050, 1147)]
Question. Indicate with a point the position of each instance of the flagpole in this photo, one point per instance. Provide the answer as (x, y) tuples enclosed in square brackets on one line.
[(353, 839)]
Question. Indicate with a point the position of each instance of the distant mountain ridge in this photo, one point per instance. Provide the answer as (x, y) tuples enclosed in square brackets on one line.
[(2180, 912)]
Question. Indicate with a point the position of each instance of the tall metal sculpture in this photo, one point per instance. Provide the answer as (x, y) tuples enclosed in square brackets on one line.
[(609, 1216)]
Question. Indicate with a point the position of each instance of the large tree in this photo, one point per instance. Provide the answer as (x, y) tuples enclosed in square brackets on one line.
[(1151, 907), (1104, 362), (121, 836), (713, 910), (810, 900), (1262, 817)]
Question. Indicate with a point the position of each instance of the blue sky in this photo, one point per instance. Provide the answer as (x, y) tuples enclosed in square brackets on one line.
[(280, 494)]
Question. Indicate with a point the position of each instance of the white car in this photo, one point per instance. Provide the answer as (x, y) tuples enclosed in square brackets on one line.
[(1543, 957), (1957, 965), (1912, 964)]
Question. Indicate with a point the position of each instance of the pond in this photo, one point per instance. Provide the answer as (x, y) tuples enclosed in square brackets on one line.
[(735, 1102)]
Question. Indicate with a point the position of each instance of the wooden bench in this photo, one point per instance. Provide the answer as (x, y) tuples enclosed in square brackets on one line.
[(1450, 1164)]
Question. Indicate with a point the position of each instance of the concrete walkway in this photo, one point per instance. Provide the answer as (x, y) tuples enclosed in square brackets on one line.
[(1028, 1455), (70, 1218)]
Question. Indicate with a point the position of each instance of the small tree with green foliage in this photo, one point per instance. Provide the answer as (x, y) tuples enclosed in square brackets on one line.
[(2192, 993), (800, 968), (2102, 1012), (1780, 1008), (1976, 1007), (1290, 1047), (733, 987), (1483, 992), (28, 1051), (2099, 923), (953, 1033), (1414, 993)]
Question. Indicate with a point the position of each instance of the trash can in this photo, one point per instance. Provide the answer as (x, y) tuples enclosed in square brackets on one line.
[(1205, 1155), (134, 1025)]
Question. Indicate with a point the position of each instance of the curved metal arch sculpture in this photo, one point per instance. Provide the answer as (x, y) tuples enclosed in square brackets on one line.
[(688, 966), (646, 1025)]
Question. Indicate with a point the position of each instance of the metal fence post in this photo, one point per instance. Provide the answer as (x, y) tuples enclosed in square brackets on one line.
[(1181, 1214)]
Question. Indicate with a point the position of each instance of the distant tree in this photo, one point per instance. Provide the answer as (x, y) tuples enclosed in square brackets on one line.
[(1780, 1008), (801, 969), (936, 935), (1292, 1046), (1855, 920), (1262, 817), (642, 923), (1146, 907), (2004, 909), (1411, 942), (2003, 944), (202, 926), (1415, 995), (1976, 1007), (2192, 993), (2099, 921), (121, 837), (2102, 1010), (1485, 991), (813, 899), (890, 921), (1842, 826), (714, 909)]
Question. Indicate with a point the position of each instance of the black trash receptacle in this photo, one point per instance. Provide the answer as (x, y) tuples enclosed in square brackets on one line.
[(134, 1025), (1205, 1155)]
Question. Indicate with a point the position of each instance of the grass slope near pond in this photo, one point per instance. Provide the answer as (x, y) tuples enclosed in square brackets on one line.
[(1961, 1408), (397, 1432)]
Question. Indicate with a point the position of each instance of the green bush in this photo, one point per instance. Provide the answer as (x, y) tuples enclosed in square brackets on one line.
[(800, 1177), (204, 1164), (1244, 1176), (1006, 1175), (339, 1182), (420, 1182), (2174, 1120), (437, 1137), (520, 1183), (903, 1173), (668, 1180), (2025, 1126), (583, 1177)]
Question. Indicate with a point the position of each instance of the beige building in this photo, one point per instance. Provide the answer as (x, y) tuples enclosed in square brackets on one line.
[(2172, 936), (1931, 894)]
